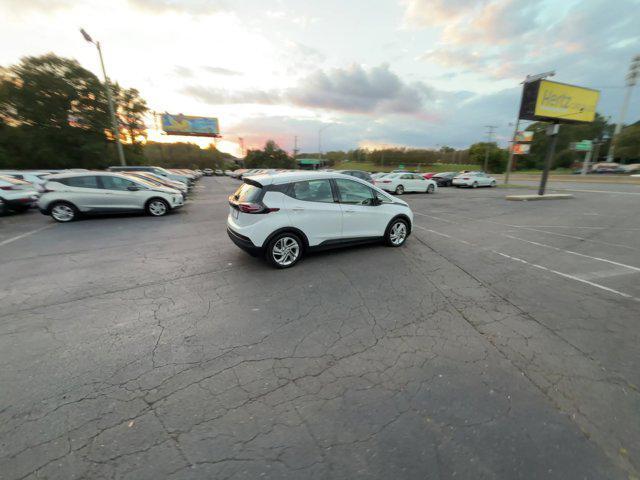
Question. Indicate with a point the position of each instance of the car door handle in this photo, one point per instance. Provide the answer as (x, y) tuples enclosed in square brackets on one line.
[(297, 209), (350, 211)]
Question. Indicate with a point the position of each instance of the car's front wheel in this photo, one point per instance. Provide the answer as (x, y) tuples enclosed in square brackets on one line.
[(399, 190), (397, 233), (493, 183), (157, 207), (430, 189), (284, 250), (63, 212)]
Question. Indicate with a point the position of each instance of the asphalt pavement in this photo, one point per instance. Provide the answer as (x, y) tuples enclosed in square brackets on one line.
[(501, 342)]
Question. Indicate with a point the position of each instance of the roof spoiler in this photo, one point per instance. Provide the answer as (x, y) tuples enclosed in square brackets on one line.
[(252, 182)]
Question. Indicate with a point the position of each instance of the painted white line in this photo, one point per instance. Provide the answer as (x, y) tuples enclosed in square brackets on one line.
[(432, 216), (615, 192), (566, 275), (540, 267), (26, 234), (631, 267)]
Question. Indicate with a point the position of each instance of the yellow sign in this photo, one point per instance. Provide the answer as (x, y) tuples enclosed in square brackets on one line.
[(566, 102)]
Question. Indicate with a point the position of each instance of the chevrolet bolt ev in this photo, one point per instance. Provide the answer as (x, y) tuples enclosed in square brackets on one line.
[(282, 216)]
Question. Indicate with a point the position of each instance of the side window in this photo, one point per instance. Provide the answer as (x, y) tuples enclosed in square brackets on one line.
[(418, 177), (354, 192), (116, 183), (406, 176), (81, 182), (312, 191), (382, 197)]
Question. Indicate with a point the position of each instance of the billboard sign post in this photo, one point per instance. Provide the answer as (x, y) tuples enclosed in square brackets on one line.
[(190, 126)]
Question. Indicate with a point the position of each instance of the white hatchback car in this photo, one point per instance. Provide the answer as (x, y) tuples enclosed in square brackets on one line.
[(473, 180), (68, 195), (283, 215), (402, 182)]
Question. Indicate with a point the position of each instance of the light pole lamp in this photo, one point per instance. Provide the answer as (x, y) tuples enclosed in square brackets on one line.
[(631, 79), (107, 87)]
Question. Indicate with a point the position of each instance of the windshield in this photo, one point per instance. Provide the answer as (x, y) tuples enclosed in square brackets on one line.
[(247, 193)]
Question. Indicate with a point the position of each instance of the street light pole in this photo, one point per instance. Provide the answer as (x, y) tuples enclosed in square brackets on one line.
[(490, 129), (631, 78), (112, 110), (320, 140)]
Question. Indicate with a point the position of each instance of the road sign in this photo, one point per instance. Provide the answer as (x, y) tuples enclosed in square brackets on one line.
[(582, 146)]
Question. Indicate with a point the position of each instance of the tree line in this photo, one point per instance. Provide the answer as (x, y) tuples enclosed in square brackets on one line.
[(54, 114)]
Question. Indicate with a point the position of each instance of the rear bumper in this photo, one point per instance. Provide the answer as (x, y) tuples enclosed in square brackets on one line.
[(244, 243), (21, 202)]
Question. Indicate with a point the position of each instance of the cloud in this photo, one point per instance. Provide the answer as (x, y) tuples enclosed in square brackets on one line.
[(351, 90), (197, 7), (221, 71), (357, 90), (217, 96), (437, 12), (184, 72)]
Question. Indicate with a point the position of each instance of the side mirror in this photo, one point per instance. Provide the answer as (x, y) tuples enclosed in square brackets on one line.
[(133, 188), (375, 201)]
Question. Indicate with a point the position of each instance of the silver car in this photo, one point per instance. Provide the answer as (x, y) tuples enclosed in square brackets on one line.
[(67, 195)]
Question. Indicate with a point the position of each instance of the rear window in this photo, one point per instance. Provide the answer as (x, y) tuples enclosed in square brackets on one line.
[(80, 182), (247, 193)]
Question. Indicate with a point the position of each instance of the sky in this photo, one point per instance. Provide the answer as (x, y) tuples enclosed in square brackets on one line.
[(369, 73)]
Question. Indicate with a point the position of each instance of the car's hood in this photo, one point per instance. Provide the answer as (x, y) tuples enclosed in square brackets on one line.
[(171, 191)]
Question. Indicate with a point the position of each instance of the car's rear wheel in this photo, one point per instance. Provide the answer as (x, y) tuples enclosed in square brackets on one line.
[(284, 250), (493, 183), (399, 190), (397, 233), (63, 212), (157, 207), (430, 189), (474, 185)]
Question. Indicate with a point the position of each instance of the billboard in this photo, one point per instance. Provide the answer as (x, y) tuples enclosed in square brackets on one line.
[(190, 126), (524, 136), (521, 148), (549, 101)]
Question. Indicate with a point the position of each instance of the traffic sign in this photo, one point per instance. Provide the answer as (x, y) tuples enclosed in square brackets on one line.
[(582, 146)]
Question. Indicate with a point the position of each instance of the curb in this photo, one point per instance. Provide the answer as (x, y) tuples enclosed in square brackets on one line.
[(550, 196)]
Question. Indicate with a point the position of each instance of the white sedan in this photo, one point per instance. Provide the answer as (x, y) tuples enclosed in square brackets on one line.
[(474, 180), (399, 183)]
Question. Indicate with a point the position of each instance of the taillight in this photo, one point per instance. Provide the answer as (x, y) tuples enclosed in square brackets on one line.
[(465, 178), (8, 187), (386, 181), (250, 207)]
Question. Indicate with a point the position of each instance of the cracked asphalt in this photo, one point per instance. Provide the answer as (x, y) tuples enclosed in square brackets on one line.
[(502, 342)]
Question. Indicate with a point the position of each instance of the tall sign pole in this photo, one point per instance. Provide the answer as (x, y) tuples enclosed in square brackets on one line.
[(112, 110), (552, 131)]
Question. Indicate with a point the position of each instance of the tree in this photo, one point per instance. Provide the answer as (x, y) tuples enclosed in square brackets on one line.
[(131, 109), (272, 156), (497, 161), (184, 155), (628, 144), (53, 114)]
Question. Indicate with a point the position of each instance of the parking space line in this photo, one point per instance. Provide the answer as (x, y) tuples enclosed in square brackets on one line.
[(540, 267), (615, 192), (26, 234), (566, 275), (574, 253)]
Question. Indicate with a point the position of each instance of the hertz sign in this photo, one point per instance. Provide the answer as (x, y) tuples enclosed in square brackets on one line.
[(548, 101)]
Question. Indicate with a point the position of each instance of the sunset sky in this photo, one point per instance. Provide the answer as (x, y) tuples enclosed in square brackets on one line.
[(417, 73)]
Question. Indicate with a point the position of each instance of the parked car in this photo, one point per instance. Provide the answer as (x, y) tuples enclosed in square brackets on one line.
[(159, 182), (378, 175), (444, 179), (228, 173), (218, 172), (16, 195), (175, 184), (207, 172), (238, 172), (428, 175), (284, 215), (156, 170), (357, 173), (68, 195), (473, 180), (34, 177), (400, 183)]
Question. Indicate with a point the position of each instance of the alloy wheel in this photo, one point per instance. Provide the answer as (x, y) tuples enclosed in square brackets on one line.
[(62, 213), (286, 251), (157, 208), (398, 233)]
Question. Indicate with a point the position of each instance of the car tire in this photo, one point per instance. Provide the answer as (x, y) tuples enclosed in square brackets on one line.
[(474, 185), (493, 183), (157, 207), (397, 233), (430, 189), (63, 212), (284, 250), (399, 190)]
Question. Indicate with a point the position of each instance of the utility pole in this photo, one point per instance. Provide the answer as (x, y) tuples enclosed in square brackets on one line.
[(295, 147), (112, 110), (528, 79), (490, 130), (631, 79), (320, 140), (552, 131)]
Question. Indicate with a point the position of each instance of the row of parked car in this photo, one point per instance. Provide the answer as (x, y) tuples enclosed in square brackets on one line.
[(65, 195)]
